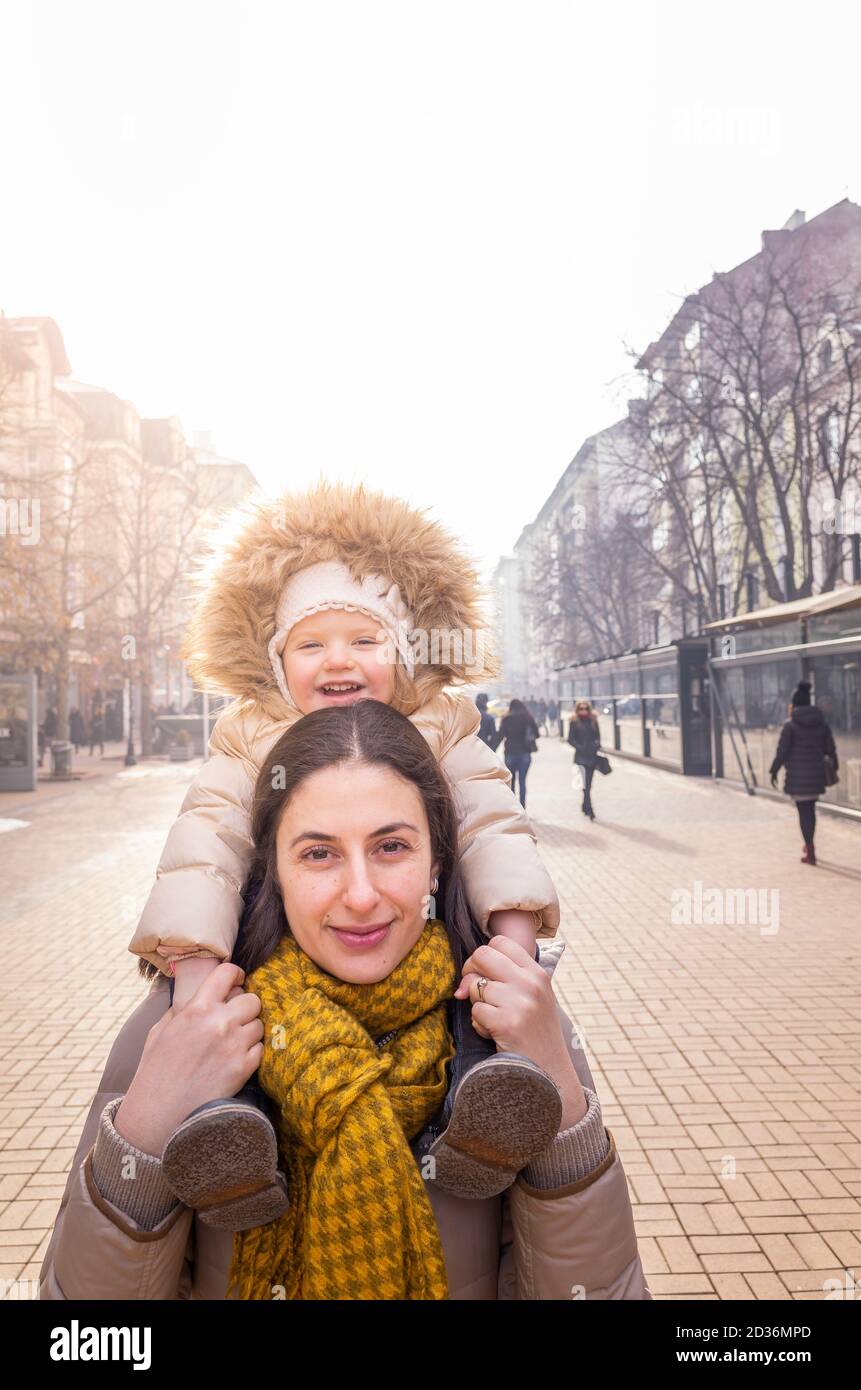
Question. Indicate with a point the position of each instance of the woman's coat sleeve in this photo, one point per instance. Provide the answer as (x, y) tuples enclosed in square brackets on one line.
[(500, 861), (784, 744), (575, 1242), (96, 1251)]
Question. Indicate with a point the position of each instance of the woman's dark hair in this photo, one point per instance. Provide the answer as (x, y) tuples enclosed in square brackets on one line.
[(517, 707), (801, 693), (366, 732)]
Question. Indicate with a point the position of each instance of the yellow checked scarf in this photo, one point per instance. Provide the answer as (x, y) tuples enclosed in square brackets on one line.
[(360, 1223)]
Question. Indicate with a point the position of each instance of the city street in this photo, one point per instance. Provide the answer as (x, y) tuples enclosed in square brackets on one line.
[(727, 1053)]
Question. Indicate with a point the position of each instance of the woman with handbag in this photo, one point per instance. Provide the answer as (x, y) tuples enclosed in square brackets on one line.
[(519, 731), (584, 736), (806, 749)]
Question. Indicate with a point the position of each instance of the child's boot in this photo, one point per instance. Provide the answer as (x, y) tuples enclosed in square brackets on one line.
[(505, 1112), (223, 1161)]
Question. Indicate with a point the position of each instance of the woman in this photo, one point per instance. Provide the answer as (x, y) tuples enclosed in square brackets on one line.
[(584, 736), (352, 823), (518, 731), (805, 742), (77, 732), (97, 730)]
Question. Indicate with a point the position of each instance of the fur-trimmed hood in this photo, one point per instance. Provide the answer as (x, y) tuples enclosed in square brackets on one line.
[(256, 550)]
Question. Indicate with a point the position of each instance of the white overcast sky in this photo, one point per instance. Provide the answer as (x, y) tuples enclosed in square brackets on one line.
[(400, 242)]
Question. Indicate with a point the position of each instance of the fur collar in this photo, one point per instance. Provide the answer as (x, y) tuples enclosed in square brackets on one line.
[(257, 548)]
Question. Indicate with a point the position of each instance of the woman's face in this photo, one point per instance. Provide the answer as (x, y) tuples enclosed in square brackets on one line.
[(583, 711), (355, 866), (338, 648)]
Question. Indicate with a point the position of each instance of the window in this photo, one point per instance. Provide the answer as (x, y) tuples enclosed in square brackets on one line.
[(692, 337), (825, 354), (722, 600), (829, 438), (751, 588), (787, 576)]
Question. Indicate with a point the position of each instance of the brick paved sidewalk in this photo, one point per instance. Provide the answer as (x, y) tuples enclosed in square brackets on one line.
[(727, 1057)]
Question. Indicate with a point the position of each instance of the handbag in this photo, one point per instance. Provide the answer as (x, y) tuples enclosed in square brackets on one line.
[(603, 765), (831, 774)]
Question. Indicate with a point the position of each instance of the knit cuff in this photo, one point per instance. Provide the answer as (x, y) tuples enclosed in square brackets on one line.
[(128, 1178), (574, 1153)]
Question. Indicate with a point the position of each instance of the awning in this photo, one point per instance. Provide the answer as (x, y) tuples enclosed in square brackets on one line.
[(847, 597)]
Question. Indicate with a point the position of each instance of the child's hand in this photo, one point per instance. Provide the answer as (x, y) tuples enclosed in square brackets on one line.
[(189, 974)]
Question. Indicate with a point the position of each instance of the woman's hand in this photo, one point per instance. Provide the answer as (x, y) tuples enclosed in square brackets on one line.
[(520, 1013), (208, 1050)]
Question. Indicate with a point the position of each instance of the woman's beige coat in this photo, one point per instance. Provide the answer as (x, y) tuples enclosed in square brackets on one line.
[(196, 901), (572, 1243)]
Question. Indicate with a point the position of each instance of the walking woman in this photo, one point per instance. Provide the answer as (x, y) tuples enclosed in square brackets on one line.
[(97, 730), (518, 730), (806, 749), (585, 738), (346, 1015)]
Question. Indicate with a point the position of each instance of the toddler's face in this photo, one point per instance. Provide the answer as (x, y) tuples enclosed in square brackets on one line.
[(337, 648)]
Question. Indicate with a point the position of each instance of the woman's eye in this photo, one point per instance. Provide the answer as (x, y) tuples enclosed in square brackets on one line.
[(397, 844), (317, 850)]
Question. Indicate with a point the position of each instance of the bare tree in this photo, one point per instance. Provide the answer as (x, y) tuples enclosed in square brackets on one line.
[(752, 415)]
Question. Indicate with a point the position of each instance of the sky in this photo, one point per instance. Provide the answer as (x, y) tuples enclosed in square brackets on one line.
[(412, 244)]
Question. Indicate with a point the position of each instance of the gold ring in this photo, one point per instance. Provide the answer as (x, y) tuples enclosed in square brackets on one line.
[(479, 984)]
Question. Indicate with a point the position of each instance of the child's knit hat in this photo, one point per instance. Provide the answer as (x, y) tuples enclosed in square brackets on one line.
[(329, 584)]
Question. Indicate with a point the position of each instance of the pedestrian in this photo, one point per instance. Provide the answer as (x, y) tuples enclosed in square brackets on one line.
[(113, 724), (308, 605), (553, 715), (77, 732), (487, 727), (518, 732), (351, 1049), (541, 715), (584, 736), (97, 730), (806, 749)]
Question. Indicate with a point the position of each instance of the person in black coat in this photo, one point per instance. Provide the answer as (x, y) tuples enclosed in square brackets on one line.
[(805, 742), (585, 738), (77, 732), (97, 730), (518, 730), (487, 727)]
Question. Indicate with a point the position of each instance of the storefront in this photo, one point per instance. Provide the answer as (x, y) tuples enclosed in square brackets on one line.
[(757, 660), (651, 704), (18, 725)]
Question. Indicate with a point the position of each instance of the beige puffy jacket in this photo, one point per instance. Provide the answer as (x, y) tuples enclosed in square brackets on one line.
[(573, 1242), (195, 904)]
